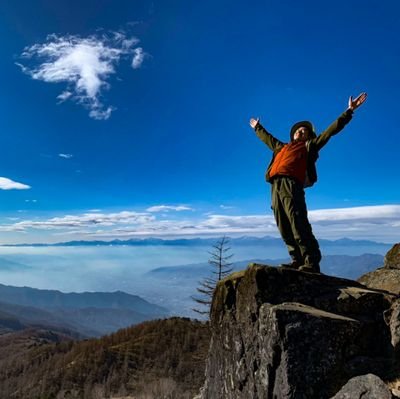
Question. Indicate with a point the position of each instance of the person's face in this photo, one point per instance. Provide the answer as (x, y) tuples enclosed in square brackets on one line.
[(302, 134)]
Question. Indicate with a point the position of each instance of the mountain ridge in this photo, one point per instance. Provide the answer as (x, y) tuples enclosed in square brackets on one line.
[(88, 314), (154, 241), (355, 265), (43, 297)]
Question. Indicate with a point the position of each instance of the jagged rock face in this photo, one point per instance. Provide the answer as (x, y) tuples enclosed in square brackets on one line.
[(382, 279), (280, 334), (388, 277), (392, 318), (364, 387), (392, 258)]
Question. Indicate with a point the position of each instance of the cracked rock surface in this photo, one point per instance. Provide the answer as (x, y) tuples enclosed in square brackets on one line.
[(364, 387), (279, 333)]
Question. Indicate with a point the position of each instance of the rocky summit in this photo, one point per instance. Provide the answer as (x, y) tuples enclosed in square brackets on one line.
[(279, 333), (386, 277)]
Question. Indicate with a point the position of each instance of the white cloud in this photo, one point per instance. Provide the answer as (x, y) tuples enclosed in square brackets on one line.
[(138, 58), (166, 208), (226, 207), (101, 114), (66, 156), (65, 95), (379, 223), (379, 214), (84, 64), (84, 220), (8, 184)]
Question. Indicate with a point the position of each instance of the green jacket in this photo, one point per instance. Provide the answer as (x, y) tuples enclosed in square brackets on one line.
[(313, 145)]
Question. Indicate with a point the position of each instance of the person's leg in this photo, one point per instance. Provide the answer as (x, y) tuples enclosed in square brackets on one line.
[(296, 212), (284, 225)]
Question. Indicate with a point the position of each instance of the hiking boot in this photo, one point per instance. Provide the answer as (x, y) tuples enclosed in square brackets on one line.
[(310, 268), (295, 264)]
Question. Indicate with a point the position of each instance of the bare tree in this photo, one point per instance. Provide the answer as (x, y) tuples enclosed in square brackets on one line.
[(221, 267)]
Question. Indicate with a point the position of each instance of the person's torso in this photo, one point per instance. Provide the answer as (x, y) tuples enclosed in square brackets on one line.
[(290, 161)]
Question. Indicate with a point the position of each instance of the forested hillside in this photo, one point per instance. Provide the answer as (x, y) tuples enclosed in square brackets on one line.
[(163, 358)]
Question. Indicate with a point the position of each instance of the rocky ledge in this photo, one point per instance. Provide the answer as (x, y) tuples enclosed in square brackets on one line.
[(279, 333), (386, 277)]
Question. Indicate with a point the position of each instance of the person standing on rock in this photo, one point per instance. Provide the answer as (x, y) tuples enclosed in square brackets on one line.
[(292, 169)]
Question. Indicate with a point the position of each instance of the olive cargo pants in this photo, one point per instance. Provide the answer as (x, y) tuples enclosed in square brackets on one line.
[(290, 211)]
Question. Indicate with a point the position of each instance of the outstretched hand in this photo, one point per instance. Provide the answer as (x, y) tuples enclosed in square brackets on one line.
[(354, 104), (254, 122)]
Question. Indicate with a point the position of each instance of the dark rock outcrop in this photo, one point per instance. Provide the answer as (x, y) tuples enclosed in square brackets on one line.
[(364, 387), (392, 258), (392, 318), (278, 334), (386, 277)]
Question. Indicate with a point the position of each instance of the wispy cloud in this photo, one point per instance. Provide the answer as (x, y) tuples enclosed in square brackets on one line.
[(138, 58), (8, 184), (378, 214), (84, 220), (226, 207), (66, 156), (166, 208), (85, 64), (379, 223)]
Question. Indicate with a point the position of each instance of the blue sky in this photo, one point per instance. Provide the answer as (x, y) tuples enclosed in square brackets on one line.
[(125, 119)]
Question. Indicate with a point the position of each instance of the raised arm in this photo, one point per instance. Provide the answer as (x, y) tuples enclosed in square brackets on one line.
[(340, 122), (354, 104), (266, 137)]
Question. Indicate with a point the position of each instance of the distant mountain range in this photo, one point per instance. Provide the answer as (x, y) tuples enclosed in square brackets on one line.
[(7, 265), (16, 318), (180, 283), (337, 265), (85, 314), (151, 241)]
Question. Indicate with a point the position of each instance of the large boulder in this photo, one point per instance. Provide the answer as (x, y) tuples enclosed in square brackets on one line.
[(367, 386), (280, 333), (387, 277)]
